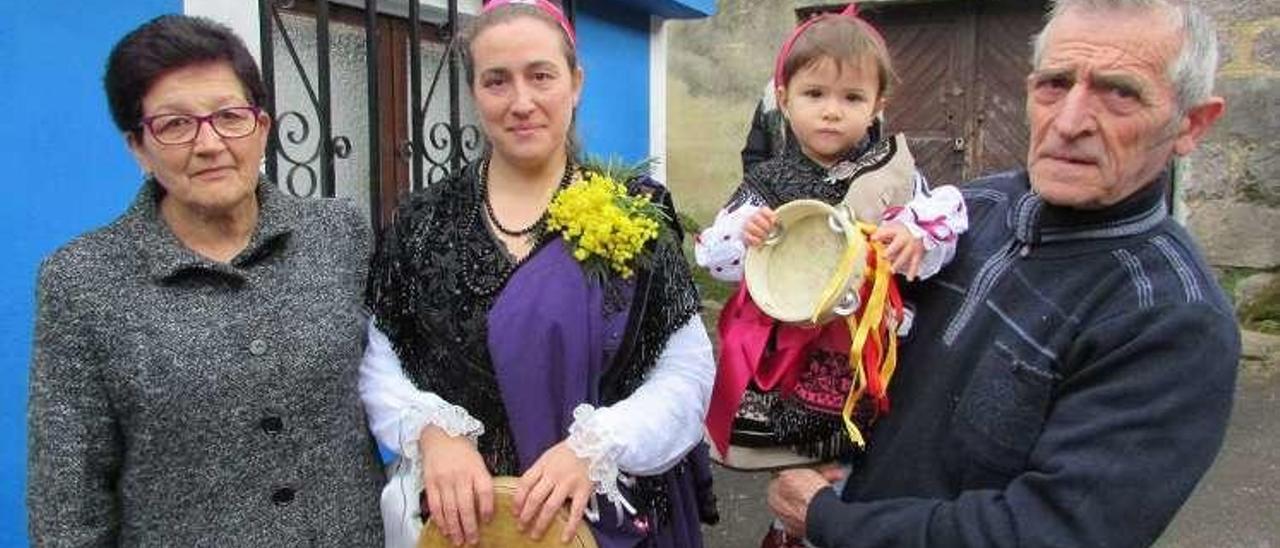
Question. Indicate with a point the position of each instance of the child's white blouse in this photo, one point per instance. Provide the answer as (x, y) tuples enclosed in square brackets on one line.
[(936, 216)]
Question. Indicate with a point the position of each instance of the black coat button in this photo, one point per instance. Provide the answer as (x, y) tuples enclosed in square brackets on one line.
[(272, 425), (283, 496)]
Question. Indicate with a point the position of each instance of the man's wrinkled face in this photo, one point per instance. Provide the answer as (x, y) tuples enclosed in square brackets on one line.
[(1103, 112)]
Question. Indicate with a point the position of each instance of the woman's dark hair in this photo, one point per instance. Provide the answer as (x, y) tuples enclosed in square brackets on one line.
[(167, 43), (506, 14)]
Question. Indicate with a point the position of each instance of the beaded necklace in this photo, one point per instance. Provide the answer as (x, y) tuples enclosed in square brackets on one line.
[(493, 217)]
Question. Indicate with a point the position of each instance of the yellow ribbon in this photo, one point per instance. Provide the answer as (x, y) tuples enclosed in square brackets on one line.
[(860, 327), (891, 357), (836, 283)]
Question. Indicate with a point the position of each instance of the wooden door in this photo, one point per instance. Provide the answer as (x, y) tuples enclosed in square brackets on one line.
[(960, 97), (931, 51), (999, 136)]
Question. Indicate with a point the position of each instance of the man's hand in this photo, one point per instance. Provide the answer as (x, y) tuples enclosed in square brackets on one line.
[(789, 496)]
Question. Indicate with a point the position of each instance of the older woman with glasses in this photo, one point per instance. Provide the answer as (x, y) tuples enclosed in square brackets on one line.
[(194, 374)]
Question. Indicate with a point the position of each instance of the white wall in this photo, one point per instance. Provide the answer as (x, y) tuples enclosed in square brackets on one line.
[(240, 15), (658, 96)]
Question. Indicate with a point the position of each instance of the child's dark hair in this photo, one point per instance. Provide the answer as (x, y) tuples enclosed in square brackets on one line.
[(840, 38)]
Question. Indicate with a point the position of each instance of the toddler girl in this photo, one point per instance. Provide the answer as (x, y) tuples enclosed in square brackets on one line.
[(832, 77)]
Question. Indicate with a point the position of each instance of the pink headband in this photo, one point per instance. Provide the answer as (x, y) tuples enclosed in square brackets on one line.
[(851, 11), (544, 5)]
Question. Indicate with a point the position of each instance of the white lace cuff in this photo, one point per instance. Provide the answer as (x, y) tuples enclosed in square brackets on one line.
[(937, 252), (588, 440), (934, 236), (938, 218), (453, 419)]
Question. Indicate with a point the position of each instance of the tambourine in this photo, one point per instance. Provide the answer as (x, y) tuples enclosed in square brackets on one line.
[(817, 267), (504, 530), (811, 266), (812, 274)]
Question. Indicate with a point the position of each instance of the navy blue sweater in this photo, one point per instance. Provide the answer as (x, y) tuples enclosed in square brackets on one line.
[(1067, 383)]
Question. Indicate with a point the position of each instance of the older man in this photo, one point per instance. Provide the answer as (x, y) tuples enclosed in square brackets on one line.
[(1070, 375)]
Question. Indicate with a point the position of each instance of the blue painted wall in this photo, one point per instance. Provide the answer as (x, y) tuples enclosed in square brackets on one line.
[(67, 171), (613, 48), (674, 9), (696, 8)]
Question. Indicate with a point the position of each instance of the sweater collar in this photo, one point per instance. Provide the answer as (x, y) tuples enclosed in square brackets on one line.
[(165, 257), (1033, 221)]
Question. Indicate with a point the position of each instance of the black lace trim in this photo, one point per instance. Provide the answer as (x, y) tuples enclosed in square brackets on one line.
[(433, 279), (744, 195), (793, 176), (437, 272), (769, 420), (664, 300)]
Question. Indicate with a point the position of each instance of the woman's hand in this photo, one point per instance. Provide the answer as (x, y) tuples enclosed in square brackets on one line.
[(457, 484), (903, 250), (558, 476), (759, 226)]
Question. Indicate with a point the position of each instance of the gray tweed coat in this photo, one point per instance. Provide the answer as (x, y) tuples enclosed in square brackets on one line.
[(177, 401)]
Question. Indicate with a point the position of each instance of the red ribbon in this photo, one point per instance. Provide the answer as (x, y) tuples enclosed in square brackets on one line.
[(874, 353), (745, 333)]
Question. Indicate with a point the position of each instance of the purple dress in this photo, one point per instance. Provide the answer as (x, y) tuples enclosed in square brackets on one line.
[(520, 345)]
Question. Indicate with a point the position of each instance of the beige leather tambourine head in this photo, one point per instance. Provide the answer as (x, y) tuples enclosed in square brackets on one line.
[(504, 530), (790, 276)]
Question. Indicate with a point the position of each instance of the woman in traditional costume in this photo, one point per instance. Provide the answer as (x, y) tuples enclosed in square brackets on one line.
[(521, 328)]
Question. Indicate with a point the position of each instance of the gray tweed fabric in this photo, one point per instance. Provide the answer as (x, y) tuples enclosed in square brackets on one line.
[(177, 401)]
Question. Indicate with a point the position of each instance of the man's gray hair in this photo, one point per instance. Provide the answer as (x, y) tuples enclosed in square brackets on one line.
[(1192, 72)]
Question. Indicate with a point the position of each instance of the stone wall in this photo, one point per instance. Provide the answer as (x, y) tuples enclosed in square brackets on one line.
[(717, 69), (1232, 184)]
